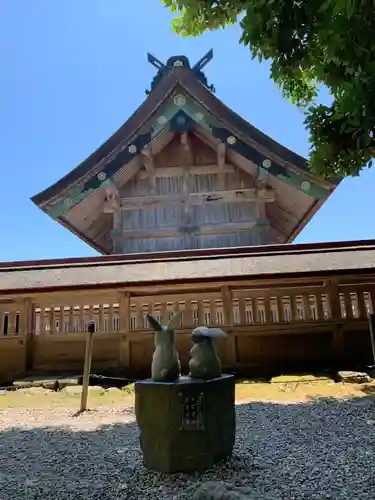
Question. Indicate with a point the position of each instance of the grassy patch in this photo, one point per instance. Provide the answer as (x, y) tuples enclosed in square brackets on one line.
[(285, 389), (38, 397), (299, 388)]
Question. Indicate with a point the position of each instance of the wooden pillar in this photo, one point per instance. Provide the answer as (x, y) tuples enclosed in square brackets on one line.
[(125, 359), (27, 331), (267, 309), (242, 308), (164, 313), (71, 319), (227, 305), (213, 306), (201, 318), (188, 315), (305, 307), (101, 323), (362, 310), (231, 355), (52, 328), (81, 327), (338, 344), (319, 306), (110, 317)]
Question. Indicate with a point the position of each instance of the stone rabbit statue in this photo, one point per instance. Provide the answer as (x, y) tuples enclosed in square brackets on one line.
[(205, 362), (165, 365)]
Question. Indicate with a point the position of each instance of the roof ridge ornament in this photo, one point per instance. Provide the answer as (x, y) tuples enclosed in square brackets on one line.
[(178, 61)]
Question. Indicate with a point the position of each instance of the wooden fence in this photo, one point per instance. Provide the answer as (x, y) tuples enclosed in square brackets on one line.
[(268, 324)]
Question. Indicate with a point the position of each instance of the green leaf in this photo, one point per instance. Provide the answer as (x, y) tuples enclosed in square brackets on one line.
[(310, 45)]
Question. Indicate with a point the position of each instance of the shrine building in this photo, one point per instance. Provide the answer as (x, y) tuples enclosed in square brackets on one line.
[(193, 209)]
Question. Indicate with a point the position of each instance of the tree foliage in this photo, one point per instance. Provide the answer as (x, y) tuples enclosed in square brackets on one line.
[(308, 42)]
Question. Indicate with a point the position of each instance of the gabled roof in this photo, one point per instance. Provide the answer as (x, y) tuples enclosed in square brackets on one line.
[(179, 93)]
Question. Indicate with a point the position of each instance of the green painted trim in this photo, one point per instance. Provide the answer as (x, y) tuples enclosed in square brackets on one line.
[(72, 198), (262, 223), (192, 109), (205, 120), (297, 181)]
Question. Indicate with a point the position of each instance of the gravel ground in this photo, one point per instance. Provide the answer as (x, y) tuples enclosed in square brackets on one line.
[(320, 450)]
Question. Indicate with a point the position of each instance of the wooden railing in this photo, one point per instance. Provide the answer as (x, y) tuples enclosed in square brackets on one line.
[(43, 330), (249, 307)]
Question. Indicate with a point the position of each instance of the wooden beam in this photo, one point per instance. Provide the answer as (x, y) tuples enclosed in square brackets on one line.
[(172, 231), (112, 206), (149, 164), (185, 196), (229, 196), (221, 150), (195, 170), (187, 188), (188, 151)]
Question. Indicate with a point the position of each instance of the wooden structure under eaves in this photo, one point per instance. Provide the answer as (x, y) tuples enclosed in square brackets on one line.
[(185, 172), (282, 306)]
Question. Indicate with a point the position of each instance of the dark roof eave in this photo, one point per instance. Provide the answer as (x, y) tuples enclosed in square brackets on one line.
[(81, 236), (306, 218), (126, 131), (286, 248)]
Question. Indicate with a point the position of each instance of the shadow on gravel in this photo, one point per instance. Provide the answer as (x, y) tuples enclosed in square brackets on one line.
[(320, 449)]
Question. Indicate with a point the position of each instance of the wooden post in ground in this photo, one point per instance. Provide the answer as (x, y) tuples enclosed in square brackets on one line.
[(371, 320), (87, 366)]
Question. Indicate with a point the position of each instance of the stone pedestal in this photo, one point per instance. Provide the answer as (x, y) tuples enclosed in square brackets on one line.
[(185, 425)]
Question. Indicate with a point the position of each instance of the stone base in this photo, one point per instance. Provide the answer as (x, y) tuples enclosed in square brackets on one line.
[(351, 377), (185, 425)]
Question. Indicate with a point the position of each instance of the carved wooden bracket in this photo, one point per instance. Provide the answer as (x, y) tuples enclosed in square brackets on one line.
[(148, 162), (111, 200)]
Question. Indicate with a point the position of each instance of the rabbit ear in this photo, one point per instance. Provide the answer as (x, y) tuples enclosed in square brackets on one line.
[(154, 323), (175, 321), (216, 332), (209, 333)]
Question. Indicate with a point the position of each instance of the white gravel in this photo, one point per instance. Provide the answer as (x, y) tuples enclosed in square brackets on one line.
[(320, 450)]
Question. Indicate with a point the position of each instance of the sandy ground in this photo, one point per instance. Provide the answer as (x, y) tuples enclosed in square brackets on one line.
[(300, 438)]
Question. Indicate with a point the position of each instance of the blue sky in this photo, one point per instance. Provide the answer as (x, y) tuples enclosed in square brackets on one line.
[(73, 71)]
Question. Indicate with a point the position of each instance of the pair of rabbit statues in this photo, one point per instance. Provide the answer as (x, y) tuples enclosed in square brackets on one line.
[(204, 362)]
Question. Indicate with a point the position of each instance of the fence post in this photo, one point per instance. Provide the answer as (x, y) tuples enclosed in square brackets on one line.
[(87, 366), (371, 320)]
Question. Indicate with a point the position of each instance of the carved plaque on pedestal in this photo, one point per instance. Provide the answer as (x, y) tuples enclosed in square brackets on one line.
[(191, 412), (186, 425)]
